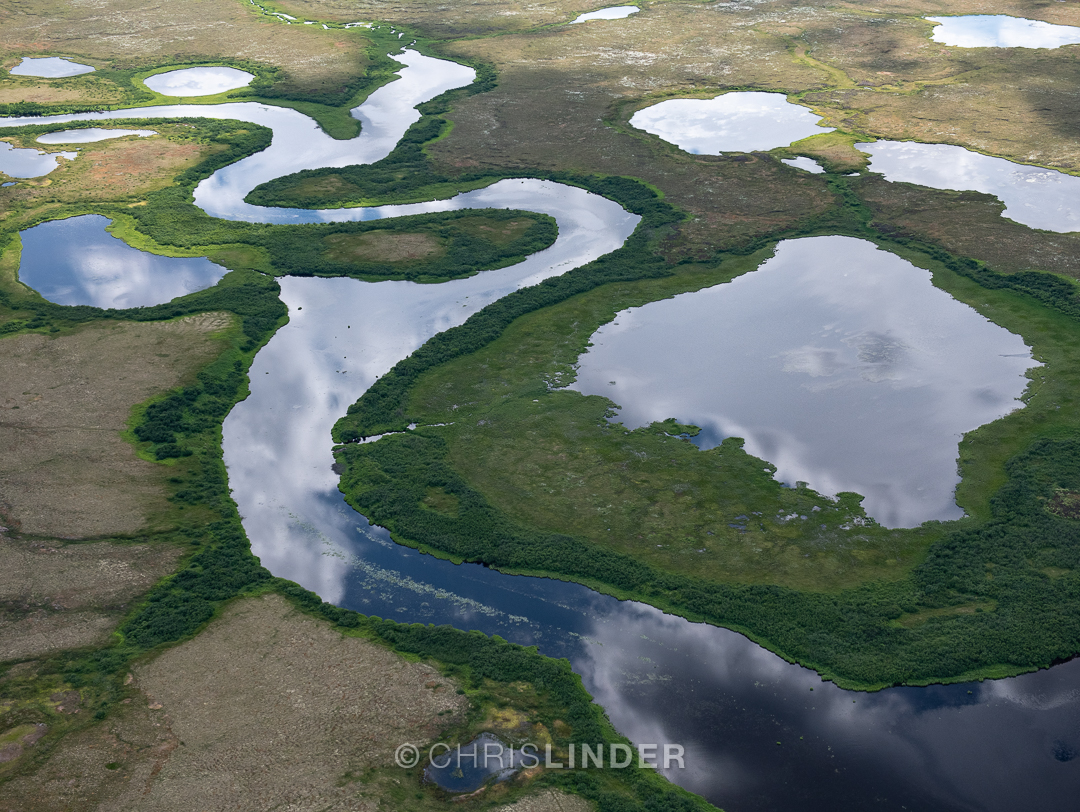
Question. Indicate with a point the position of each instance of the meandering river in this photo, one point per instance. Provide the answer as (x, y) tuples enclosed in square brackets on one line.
[(760, 733)]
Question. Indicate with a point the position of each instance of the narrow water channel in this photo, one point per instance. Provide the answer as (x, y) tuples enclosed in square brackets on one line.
[(760, 733)]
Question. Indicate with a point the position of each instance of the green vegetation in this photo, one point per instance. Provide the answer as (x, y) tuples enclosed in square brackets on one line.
[(534, 480), (765, 582), (403, 176), (530, 480), (183, 430), (332, 106), (540, 690), (423, 248)]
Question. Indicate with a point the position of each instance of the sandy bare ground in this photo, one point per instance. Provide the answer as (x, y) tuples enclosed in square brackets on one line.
[(266, 709), (55, 596)]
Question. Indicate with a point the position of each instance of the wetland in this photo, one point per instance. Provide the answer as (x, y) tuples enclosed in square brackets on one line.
[(487, 456)]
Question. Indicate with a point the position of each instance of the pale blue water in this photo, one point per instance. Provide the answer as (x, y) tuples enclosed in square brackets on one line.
[(740, 121), (77, 262), (198, 81), (29, 163), (1034, 196), (836, 361), (89, 135), (1001, 31), (1002, 745), (49, 67)]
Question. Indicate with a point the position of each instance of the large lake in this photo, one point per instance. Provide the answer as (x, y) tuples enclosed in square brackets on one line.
[(1002, 745), (836, 361)]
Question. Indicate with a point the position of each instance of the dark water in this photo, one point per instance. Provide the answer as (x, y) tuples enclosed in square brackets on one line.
[(996, 745), (469, 766)]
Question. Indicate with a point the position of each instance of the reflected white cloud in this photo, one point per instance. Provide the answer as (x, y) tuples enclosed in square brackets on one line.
[(76, 261), (741, 121), (1033, 196), (345, 333), (198, 81), (804, 163), (29, 163), (749, 719), (49, 67), (659, 677), (611, 13), (89, 135), (1001, 31), (839, 363)]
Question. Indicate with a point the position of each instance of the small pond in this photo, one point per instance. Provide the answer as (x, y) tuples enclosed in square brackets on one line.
[(836, 361), (89, 135), (803, 163), (1001, 31), (49, 67), (467, 767), (1034, 196), (612, 13), (29, 163), (198, 81), (741, 121), (77, 262)]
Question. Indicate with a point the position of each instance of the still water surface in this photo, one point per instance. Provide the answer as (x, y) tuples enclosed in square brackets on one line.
[(1001, 31), (474, 763), (836, 361), (89, 135), (804, 163), (741, 121), (29, 163), (992, 746), (198, 81), (49, 67), (610, 13), (77, 262), (1034, 196)]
